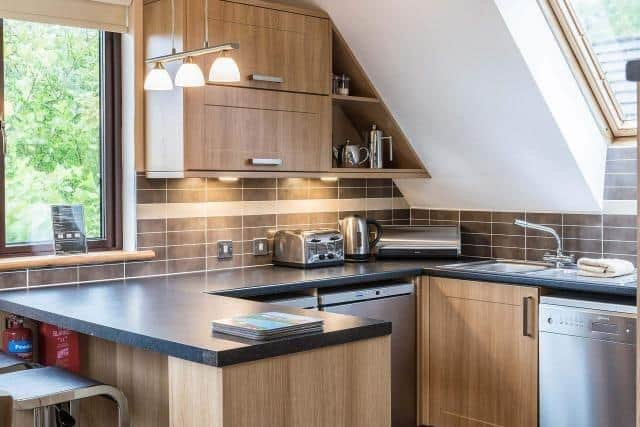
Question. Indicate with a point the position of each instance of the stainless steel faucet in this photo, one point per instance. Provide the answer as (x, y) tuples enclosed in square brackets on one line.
[(559, 259)]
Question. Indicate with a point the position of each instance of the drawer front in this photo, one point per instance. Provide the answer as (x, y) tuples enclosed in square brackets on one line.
[(281, 50), (246, 127)]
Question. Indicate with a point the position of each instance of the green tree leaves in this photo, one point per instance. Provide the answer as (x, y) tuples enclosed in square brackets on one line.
[(52, 109)]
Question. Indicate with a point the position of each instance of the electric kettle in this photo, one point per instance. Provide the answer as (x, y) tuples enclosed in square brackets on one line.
[(357, 243)]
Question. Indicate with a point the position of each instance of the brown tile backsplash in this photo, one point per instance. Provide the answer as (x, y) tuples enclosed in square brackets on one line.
[(493, 234), (187, 243)]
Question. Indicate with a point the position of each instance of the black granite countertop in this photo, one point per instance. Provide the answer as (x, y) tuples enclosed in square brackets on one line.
[(172, 314)]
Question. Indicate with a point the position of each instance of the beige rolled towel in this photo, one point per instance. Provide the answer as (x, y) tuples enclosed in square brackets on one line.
[(594, 267)]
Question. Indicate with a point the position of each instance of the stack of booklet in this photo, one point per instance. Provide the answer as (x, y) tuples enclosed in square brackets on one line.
[(267, 326)]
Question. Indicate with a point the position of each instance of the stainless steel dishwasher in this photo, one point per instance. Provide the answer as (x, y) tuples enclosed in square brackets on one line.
[(587, 362), (394, 302)]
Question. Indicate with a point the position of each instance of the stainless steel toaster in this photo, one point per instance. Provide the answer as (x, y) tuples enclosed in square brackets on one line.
[(308, 248)]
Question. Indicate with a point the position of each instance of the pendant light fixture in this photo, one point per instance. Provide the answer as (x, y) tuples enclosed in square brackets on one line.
[(158, 78), (224, 70), (189, 74)]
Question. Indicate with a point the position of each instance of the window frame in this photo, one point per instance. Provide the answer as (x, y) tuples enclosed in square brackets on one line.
[(590, 71), (111, 139)]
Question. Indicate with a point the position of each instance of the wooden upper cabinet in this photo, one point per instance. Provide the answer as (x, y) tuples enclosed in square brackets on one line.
[(483, 354), (241, 124), (274, 43)]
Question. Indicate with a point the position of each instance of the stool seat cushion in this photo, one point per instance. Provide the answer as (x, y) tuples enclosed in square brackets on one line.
[(42, 382)]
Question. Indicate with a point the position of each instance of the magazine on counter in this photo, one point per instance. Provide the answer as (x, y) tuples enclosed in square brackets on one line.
[(270, 325)]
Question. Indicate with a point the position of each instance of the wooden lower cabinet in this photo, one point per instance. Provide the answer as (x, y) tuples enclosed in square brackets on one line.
[(483, 354)]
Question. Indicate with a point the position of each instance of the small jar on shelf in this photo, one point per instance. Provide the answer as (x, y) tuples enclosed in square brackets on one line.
[(341, 85)]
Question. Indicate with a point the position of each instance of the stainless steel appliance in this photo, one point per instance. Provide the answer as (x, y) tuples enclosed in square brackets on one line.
[(308, 248), (394, 302), (587, 362), (419, 242), (357, 241), (376, 139), (349, 155)]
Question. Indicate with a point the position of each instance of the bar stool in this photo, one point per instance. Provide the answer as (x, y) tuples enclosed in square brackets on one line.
[(38, 389)]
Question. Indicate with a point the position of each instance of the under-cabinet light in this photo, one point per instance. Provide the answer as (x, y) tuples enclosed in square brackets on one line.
[(329, 179), (228, 179)]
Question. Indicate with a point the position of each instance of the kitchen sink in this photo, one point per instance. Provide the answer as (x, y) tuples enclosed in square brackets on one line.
[(498, 267)]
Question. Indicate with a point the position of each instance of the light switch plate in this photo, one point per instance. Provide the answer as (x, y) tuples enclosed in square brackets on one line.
[(225, 249), (260, 246)]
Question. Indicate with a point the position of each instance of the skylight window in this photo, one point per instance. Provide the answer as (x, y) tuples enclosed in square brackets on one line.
[(604, 35)]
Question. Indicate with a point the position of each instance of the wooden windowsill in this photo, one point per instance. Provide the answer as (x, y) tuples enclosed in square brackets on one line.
[(102, 257)]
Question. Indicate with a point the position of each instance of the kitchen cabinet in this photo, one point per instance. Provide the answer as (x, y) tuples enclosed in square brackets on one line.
[(281, 111), (242, 126), (292, 48), (483, 354)]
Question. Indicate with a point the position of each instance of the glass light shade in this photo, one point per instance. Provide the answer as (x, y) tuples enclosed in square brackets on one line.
[(224, 70), (158, 79), (189, 75)]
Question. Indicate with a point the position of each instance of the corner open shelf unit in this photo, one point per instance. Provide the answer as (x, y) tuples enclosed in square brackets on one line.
[(353, 116)]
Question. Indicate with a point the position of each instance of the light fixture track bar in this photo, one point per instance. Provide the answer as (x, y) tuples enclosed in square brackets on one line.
[(195, 52)]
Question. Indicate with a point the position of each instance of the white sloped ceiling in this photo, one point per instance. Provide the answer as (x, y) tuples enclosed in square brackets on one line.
[(483, 92)]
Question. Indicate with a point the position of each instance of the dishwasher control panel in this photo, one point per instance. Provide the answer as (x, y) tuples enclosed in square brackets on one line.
[(608, 326)]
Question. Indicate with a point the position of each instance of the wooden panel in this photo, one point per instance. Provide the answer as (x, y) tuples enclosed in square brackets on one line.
[(164, 113), (140, 374), (483, 370), (339, 386), (423, 349), (101, 257), (6, 409), (241, 124), (291, 46)]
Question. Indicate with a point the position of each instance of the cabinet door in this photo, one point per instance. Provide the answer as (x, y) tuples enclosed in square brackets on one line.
[(285, 45), (484, 354), (244, 124)]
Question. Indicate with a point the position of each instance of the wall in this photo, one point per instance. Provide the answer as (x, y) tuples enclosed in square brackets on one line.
[(471, 102), (182, 219)]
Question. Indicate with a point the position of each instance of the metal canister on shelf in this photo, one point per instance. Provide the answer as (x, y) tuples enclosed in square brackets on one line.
[(376, 152)]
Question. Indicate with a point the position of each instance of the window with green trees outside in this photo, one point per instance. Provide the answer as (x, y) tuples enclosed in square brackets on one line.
[(57, 102)]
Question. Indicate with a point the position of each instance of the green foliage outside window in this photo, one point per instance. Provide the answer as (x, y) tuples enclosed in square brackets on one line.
[(52, 110), (607, 19)]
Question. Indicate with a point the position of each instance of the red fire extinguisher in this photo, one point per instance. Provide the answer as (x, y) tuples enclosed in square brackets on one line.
[(59, 347), (17, 340)]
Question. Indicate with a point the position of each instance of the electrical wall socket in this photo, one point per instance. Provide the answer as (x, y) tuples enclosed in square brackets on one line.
[(225, 249), (260, 246)]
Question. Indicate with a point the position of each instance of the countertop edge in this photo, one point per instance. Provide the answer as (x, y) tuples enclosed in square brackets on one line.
[(522, 280), (261, 290), (257, 351)]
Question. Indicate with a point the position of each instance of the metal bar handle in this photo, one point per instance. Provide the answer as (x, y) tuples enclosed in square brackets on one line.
[(525, 317), (266, 162), (390, 138), (266, 78), (3, 135)]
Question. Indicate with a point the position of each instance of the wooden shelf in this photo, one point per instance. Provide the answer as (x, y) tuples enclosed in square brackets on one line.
[(333, 172), (374, 173), (353, 116), (103, 257), (340, 99)]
